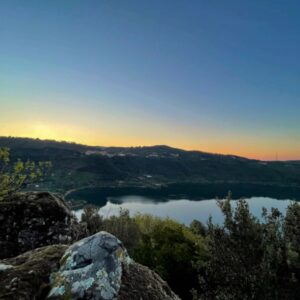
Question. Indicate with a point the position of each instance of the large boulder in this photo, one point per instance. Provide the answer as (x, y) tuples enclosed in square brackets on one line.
[(32, 220), (26, 277), (90, 269), (99, 268), (95, 268)]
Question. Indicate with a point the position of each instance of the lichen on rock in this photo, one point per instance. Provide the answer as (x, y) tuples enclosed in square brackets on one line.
[(4, 267), (91, 269), (26, 276)]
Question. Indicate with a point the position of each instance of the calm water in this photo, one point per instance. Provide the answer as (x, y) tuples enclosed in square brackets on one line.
[(182, 210)]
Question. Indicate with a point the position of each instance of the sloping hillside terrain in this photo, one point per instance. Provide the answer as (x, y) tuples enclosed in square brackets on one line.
[(77, 166)]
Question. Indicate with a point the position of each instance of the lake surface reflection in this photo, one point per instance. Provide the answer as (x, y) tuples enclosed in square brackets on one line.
[(183, 210)]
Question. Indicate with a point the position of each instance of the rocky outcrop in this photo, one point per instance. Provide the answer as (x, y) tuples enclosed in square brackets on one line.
[(26, 277), (99, 268), (33, 220), (140, 283), (90, 269), (95, 268)]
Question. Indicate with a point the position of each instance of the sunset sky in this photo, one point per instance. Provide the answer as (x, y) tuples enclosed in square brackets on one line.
[(217, 76)]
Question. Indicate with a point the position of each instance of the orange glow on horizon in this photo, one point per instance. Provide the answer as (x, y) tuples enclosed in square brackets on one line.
[(263, 155), (254, 148)]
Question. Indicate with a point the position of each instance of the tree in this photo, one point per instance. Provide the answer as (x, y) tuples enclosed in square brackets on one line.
[(92, 219), (124, 228), (291, 229), (171, 249), (198, 227), (15, 176), (247, 258)]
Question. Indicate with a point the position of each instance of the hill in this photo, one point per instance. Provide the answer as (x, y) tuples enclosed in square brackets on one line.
[(76, 166)]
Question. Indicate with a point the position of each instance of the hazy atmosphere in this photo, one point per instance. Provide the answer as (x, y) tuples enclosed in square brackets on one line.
[(216, 76)]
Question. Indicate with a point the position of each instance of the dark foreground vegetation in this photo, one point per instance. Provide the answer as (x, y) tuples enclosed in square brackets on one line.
[(242, 259)]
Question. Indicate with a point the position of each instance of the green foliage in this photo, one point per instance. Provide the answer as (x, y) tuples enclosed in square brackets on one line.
[(92, 219), (291, 229), (244, 258), (249, 259), (196, 174), (198, 228), (171, 249), (14, 176), (124, 228), (164, 245)]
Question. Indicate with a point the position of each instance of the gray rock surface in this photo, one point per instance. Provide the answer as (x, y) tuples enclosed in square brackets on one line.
[(140, 283), (26, 277), (32, 220), (91, 269), (97, 267)]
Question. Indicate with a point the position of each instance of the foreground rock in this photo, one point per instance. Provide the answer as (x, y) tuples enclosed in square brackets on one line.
[(140, 283), (90, 269), (95, 268), (33, 220), (26, 277), (99, 268)]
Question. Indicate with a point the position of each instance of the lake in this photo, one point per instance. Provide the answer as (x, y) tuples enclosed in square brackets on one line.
[(182, 210), (185, 201)]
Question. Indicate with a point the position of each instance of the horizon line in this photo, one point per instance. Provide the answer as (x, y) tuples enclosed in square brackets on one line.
[(141, 146)]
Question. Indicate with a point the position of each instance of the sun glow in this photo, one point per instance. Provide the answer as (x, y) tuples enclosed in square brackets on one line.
[(43, 130), (104, 135)]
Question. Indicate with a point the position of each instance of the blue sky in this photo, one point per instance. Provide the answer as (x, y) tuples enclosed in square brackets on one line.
[(218, 76)]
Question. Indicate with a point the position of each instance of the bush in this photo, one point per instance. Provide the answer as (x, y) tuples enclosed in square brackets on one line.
[(198, 228), (171, 249), (124, 228), (14, 177), (91, 219)]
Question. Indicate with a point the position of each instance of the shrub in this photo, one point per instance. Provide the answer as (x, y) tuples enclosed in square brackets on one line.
[(171, 249), (13, 177), (124, 228), (92, 219)]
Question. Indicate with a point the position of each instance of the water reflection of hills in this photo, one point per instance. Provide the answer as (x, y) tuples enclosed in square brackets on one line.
[(183, 211), (99, 196)]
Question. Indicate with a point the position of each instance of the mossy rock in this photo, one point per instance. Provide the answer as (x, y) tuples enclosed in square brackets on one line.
[(34, 219), (26, 276)]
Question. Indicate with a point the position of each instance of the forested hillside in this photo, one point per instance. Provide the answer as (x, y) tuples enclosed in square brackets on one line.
[(76, 166)]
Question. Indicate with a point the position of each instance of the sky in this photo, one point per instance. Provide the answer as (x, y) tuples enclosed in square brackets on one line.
[(217, 76)]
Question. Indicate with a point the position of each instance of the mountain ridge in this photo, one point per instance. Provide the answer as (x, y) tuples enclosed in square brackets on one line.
[(23, 142), (76, 166)]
